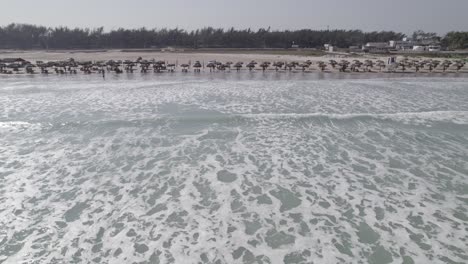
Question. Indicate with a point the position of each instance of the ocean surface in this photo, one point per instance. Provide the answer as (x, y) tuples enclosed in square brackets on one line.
[(233, 168)]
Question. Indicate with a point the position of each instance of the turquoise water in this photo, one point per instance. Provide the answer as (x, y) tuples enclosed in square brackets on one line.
[(233, 168)]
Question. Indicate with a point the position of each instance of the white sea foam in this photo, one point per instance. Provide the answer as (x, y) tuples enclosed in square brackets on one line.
[(233, 170), (13, 126)]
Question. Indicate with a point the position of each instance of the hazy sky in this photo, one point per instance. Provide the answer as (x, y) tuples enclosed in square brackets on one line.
[(400, 15)]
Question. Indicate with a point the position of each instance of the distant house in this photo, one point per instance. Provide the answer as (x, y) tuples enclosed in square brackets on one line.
[(168, 49), (419, 48), (376, 47), (434, 48), (354, 49), (430, 48), (415, 45), (329, 47), (402, 44)]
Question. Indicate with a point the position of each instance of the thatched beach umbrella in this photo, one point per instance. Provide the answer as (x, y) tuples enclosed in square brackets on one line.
[(251, 65), (211, 65), (333, 63), (459, 65), (265, 65), (322, 65), (171, 67), (278, 65), (238, 65), (445, 65), (369, 65), (304, 66), (380, 64), (185, 67), (291, 65), (2, 67), (197, 65)]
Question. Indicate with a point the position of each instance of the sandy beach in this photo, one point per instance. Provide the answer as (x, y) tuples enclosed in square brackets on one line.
[(181, 57), (245, 56)]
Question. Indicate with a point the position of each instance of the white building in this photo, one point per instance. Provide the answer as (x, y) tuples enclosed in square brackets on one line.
[(434, 48), (419, 48), (419, 45), (402, 44), (329, 47), (376, 47)]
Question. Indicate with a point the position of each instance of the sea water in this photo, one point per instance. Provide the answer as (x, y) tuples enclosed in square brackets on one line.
[(233, 168)]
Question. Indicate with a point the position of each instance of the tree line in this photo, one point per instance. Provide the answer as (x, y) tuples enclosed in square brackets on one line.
[(456, 40), (26, 36)]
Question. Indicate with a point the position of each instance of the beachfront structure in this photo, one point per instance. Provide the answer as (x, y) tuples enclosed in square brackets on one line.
[(430, 48), (402, 44), (434, 48), (422, 45), (419, 48), (328, 47), (376, 47)]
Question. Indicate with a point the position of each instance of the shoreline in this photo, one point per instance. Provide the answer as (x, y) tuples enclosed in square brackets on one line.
[(247, 75)]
